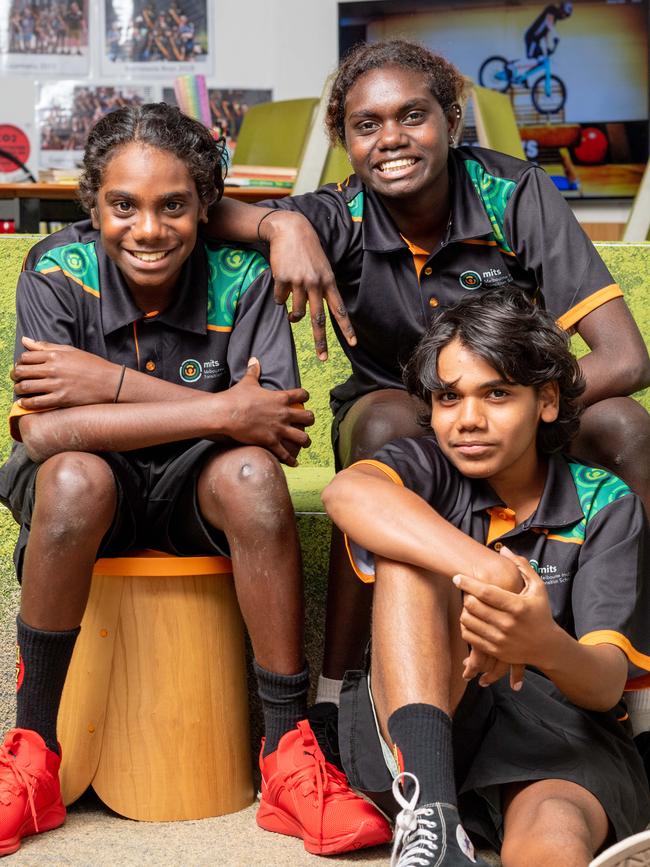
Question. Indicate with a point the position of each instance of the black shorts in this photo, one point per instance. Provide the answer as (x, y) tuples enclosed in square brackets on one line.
[(501, 736), (157, 505), (340, 411)]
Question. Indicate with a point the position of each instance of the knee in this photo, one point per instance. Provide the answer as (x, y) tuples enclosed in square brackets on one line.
[(557, 834), (387, 416), (616, 433), (75, 494), (250, 487)]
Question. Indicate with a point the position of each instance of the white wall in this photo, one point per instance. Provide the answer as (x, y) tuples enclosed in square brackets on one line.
[(289, 46)]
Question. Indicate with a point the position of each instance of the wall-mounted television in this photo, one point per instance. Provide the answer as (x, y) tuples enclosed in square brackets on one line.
[(576, 74)]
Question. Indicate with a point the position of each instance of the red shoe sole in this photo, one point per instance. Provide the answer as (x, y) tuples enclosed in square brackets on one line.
[(280, 822), (51, 818)]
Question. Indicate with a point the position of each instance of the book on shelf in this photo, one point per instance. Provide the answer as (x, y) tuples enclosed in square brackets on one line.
[(260, 176), (59, 176)]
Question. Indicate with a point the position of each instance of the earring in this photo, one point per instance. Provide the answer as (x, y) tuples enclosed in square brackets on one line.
[(452, 140)]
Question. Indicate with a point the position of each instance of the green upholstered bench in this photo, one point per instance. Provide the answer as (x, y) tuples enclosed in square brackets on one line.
[(629, 263)]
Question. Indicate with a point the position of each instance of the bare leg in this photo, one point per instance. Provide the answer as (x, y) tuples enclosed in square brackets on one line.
[(374, 420), (616, 434), (75, 500), (552, 822), (244, 493), (417, 650), (417, 654), (75, 505)]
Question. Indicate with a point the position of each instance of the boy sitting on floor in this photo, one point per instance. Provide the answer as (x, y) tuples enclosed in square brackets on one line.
[(541, 766)]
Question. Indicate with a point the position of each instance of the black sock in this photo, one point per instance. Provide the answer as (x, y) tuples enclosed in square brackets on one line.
[(43, 661), (284, 702), (422, 733)]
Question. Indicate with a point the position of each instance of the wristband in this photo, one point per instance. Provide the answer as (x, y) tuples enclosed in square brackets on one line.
[(119, 384), (262, 218)]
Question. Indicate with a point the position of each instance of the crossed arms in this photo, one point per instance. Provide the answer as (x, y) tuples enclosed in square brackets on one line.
[(78, 389), (499, 620)]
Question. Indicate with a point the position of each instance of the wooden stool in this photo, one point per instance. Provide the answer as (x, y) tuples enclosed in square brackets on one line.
[(155, 707)]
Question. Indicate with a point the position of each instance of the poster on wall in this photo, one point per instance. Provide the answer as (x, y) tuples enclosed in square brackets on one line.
[(44, 37), (18, 142), (227, 109), (155, 38), (576, 75), (65, 112)]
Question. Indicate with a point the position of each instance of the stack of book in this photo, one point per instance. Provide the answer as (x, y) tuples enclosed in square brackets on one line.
[(260, 176), (59, 176)]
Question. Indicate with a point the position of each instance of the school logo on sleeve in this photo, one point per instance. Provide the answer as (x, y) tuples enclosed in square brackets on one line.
[(190, 370), (470, 280), (75, 259)]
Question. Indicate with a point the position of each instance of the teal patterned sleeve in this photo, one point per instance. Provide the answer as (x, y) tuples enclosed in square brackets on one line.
[(611, 589)]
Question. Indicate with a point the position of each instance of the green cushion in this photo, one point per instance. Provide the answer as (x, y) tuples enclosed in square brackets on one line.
[(630, 264), (630, 267)]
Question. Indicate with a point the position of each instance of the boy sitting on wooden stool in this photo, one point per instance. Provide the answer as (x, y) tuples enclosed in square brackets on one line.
[(156, 399), (540, 765)]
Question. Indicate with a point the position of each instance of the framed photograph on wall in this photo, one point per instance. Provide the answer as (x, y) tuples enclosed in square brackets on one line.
[(155, 38), (44, 37), (228, 108), (66, 110)]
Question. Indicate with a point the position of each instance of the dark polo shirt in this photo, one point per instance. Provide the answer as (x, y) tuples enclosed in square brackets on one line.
[(587, 539), (71, 292), (509, 226)]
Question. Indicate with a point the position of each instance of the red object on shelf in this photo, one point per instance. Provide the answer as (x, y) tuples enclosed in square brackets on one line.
[(592, 147), (7, 227)]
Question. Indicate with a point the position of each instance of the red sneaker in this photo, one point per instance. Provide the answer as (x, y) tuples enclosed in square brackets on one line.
[(30, 794), (305, 796)]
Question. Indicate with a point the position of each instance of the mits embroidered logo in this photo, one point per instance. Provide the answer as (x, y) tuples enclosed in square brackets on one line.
[(190, 370), (551, 575), (470, 280), (543, 570)]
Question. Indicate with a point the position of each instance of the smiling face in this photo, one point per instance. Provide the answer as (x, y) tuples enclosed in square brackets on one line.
[(486, 426), (396, 132), (147, 211)]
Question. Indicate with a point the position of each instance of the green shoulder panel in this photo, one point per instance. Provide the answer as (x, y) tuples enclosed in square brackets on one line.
[(77, 261), (230, 273), (355, 206), (596, 489), (494, 194)]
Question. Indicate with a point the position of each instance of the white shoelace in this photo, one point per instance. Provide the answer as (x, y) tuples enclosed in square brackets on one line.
[(415, 843)]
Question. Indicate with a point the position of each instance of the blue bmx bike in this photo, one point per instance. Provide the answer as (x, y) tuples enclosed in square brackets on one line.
[(547, 92)]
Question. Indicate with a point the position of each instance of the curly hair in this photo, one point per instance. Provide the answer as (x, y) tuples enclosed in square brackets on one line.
[(443, 79), (157, 125), (520, 341)]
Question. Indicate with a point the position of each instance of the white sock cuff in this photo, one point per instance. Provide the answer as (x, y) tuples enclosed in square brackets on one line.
[(328, 690), (638, 699)]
